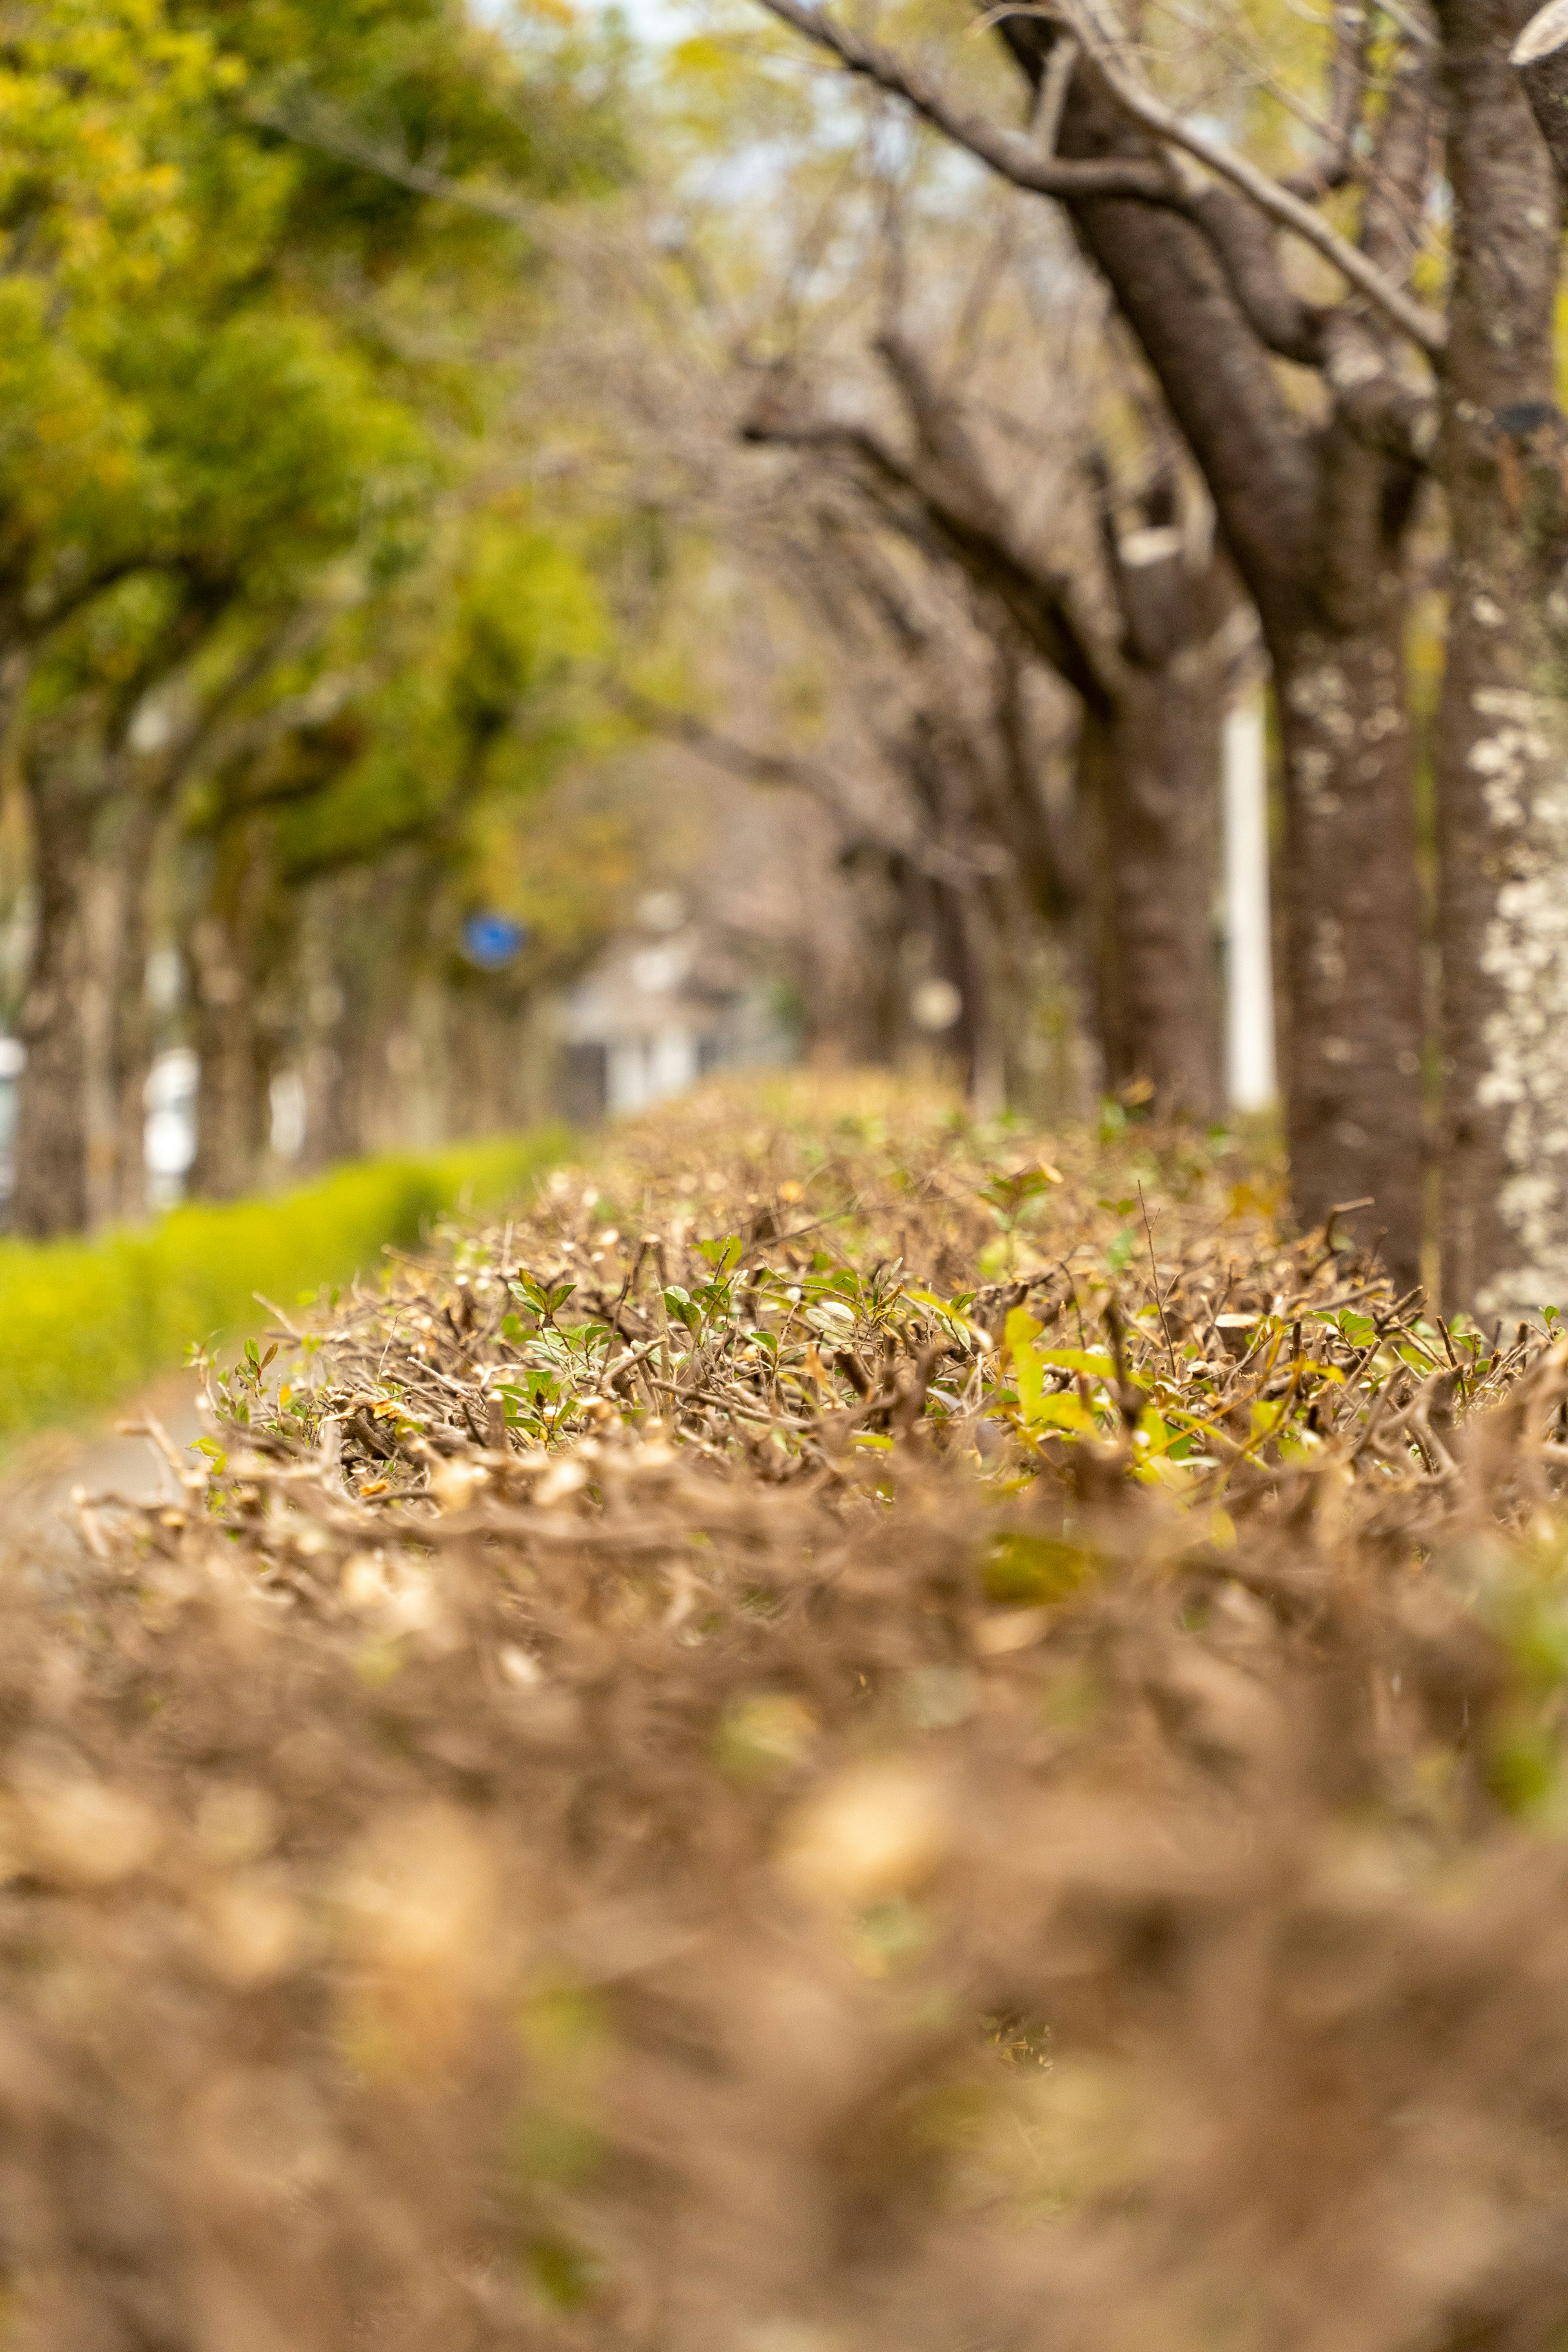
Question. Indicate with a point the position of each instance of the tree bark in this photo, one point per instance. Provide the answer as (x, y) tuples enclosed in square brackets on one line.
[(51, 1172), (470, 1093), (227, 1096), (1502, 735), (132, 1039), (224, 960), (362, 961), (1351, 915), (1149, 787), (345, 1101)]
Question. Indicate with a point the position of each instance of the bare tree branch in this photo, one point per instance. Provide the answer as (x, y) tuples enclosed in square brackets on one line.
[(966, 522), (1400, 175), (736, 759), (1334, 162), (1052, 92), (1244, 243), (211, 737), (1382, 409), (1364, 364), (1050, 856), (1102, 37), (346, 147), (1009, 153), (1014, 157), (1541, 54)]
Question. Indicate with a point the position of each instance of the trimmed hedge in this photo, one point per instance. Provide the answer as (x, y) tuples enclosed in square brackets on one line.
[(81, 1322)]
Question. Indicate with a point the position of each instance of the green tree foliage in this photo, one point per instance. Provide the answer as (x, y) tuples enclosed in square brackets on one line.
[(480, 707), (266, 273)]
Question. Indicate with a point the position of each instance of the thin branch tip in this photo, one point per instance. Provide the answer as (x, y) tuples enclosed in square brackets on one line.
[(1545, 33)]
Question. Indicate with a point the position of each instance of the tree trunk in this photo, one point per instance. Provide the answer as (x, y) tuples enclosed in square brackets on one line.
[(358, 995), (1353, 932), (1149, 785), (1315, 525), (352, 1041), (1153, 697), (951, 789), (469, 1109), (1502, 740), (231, 1101), (132, 1027), (864, 1021), (227, 1110), (51, 1170), (1541, 55), (962, 958)]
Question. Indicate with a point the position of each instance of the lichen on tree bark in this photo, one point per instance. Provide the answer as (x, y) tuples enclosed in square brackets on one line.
[(1502, 734)]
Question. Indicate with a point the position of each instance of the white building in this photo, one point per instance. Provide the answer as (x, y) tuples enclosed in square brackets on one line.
[(657, 1012)]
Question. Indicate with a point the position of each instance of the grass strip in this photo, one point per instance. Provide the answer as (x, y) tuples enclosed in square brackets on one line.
[(81, 1322)]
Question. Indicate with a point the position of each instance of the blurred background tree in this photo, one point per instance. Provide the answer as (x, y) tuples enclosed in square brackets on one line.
[(272, 598)]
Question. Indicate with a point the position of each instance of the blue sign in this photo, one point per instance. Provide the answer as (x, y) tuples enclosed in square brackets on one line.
[(492, 941)]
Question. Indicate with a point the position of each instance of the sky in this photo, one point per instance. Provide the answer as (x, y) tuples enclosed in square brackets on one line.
[(650, 20)]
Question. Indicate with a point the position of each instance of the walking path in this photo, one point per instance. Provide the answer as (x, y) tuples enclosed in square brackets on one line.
[(42, 1471)]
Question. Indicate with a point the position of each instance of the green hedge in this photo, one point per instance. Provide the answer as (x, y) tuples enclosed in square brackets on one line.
[(82, 1322)]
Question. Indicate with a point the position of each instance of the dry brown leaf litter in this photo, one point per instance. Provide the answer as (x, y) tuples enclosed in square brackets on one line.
[(882, 1817)]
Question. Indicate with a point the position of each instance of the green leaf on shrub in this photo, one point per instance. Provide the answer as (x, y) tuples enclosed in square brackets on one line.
[(563, 2273), (1023, 1570), (1521, 1769)]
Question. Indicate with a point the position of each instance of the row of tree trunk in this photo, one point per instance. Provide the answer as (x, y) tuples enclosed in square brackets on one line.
[(1318, 521), (1153, 662), (329, 988), (1316, 479)]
